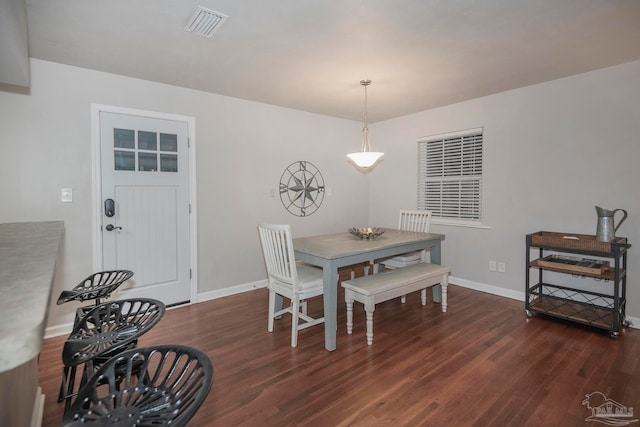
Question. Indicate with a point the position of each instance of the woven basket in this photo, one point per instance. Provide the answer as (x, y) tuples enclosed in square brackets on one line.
[(585, 242)]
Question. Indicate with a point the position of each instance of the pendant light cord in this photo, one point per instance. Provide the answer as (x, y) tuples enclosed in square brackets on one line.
[(366, 146)]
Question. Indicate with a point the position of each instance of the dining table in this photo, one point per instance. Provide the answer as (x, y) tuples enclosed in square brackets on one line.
[(332, 251)]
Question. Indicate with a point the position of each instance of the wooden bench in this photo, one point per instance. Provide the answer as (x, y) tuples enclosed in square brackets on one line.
[(373, 289)]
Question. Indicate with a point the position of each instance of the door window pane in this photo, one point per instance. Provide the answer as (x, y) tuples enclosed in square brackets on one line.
[(124, 160), (147, 140), (124, 138), (168, 163), (147, 162), (168, 142)]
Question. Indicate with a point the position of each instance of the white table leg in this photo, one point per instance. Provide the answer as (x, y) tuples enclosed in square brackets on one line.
[(436, 259)]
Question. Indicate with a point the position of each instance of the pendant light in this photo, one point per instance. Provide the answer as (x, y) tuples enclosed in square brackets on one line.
[(365, 157)]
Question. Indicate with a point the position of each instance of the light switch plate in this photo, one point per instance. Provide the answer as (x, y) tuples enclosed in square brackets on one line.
[(66, 195)]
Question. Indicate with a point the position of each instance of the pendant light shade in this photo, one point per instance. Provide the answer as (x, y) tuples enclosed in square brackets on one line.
[(365, 157)]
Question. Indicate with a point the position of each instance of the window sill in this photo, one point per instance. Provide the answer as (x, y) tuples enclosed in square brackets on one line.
[(454, 223)]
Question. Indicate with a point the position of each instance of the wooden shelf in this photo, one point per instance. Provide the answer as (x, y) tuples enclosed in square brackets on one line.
[(601, 317), (607, 275)]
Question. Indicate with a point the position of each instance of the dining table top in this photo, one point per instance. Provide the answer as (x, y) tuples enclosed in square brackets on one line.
[(338, 245)]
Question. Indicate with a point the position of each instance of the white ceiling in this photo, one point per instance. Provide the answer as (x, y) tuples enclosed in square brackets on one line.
[(311, 54)]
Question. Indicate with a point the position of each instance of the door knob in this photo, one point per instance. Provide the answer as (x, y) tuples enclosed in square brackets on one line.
[(110, 227)]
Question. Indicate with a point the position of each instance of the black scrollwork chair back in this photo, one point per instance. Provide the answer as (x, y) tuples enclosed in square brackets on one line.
[(98, 287)]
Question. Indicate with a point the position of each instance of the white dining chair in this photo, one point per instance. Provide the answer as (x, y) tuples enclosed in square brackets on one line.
[(409, 220), (295, 281), (419, 221)]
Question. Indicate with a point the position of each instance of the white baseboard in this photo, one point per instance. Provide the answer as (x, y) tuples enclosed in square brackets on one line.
[(55, 331), (220, 293), (489, 289), (516, 295)]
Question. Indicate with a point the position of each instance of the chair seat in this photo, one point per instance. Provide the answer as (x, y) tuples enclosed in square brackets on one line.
[(310, 283), (98, 286), (309, 277), (110, 326), (412, 256), (159, 385), (105, 331), (400, 264)]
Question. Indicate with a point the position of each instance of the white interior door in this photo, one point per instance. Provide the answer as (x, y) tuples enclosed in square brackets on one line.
[(145, 172)]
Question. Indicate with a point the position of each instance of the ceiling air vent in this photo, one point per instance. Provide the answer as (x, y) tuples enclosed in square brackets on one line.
[(205, 22)]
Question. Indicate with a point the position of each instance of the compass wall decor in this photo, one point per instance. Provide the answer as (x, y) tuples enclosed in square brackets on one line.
[(301, 188)]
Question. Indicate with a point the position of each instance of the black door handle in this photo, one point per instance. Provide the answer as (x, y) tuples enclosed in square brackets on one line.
[(111, 227)]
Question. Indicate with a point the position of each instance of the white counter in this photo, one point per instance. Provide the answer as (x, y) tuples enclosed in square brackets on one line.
[(28, 254)]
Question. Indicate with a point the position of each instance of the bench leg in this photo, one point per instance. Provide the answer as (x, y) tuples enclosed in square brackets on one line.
[(445, 282), (369, 307), (423, 296), (349, 316), (403, 299), (369, 327)]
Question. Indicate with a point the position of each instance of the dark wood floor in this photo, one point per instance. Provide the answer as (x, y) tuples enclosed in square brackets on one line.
[(483, 363)]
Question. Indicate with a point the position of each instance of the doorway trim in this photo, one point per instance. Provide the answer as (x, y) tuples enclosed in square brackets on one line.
[(96, 198)]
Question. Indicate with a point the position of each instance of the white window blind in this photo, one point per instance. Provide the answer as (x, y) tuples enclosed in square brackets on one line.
[(450, 175)]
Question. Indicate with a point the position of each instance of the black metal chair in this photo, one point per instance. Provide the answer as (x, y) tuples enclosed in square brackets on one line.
[(103, 332), (162, 385), (96, 287)]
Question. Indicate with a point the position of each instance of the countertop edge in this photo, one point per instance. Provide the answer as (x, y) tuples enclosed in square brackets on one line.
[(28, 255)]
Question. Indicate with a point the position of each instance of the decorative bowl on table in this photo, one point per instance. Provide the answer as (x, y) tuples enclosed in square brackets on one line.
[(367, 233)]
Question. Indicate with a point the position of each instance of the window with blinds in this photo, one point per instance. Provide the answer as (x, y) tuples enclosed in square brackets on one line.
[(450, 176)]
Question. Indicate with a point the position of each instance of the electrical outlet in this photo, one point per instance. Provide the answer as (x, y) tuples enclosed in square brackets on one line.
[(66, 195), (502, 267), (492, 266)]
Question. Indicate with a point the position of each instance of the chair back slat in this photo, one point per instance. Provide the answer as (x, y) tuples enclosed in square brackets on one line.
[(419, 221), (277, 247)]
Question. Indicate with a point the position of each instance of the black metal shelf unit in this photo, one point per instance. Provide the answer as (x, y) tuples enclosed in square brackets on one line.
[(604, 310)]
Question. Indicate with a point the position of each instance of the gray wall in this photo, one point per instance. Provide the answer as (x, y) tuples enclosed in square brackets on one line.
[(552, 152)]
